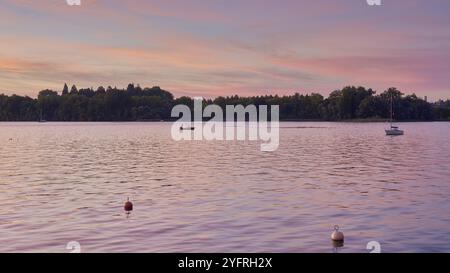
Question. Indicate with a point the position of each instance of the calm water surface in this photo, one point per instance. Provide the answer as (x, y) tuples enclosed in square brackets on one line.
[(62, 182)]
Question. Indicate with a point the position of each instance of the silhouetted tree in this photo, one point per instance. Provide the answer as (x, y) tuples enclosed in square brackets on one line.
[(100, 90), (73, 90), (65, 89), (136, 103)]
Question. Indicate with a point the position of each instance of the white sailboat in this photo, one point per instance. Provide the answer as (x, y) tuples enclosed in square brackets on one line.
[(41, 119), (393, 130)]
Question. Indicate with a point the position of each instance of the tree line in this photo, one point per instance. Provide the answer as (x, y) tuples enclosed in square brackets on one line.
[(149, 104)]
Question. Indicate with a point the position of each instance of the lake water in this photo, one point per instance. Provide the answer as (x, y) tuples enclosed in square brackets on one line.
[(62, 182)]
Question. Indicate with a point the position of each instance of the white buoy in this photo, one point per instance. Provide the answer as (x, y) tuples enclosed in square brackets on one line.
[(337, 236)]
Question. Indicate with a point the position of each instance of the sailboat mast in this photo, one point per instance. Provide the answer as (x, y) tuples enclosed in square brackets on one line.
[(392, 108)]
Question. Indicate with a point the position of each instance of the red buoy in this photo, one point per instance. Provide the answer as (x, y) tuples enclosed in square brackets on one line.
[(128, 205)]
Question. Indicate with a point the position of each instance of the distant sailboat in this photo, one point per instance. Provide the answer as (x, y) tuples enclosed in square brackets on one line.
[(41, 119), (187, 128), (394, 130)]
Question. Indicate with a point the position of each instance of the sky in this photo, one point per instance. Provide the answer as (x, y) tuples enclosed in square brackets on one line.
[(224, 47)]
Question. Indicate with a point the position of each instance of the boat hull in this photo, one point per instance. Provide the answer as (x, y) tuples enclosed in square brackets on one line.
[(394, 132)]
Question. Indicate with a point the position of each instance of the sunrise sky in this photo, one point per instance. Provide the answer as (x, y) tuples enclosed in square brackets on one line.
[(225, 47)]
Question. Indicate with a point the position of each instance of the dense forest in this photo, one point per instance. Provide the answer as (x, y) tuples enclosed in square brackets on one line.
[(149, 104)]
